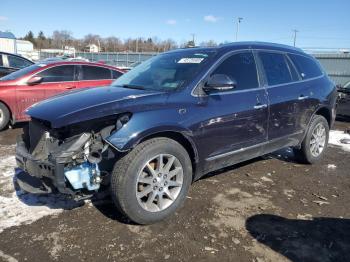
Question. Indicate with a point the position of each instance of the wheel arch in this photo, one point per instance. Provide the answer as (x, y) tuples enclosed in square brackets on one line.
[(9, 109), (179, 137), (326, 113)]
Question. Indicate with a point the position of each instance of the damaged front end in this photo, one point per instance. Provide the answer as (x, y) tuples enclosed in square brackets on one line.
[(74, 160)]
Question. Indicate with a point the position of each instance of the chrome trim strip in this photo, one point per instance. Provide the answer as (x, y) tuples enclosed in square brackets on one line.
[(251, 147), (234, 152)]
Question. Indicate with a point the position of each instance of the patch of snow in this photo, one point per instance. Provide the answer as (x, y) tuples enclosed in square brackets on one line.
[(334, 139), (331, 166), (266, 179), (17, 207)]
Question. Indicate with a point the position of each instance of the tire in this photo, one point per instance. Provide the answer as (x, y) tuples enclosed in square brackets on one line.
[(4, 116), (128, 171), (305, 154)]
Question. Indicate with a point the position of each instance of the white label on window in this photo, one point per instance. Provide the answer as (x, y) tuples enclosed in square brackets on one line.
[(191, 60)]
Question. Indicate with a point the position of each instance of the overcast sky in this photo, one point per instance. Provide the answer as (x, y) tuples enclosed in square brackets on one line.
[(320, 23)]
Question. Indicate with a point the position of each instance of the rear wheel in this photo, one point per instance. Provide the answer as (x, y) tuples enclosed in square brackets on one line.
[(4, 116), (315, 142), (152, 181)]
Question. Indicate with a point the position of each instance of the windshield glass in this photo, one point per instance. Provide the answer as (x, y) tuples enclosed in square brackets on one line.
[(165, 72), (20, 73)]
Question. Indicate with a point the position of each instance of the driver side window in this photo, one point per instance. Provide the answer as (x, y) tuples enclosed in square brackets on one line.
[(241, 68), (58, 74)]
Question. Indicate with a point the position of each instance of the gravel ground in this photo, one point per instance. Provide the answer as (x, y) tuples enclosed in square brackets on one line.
[(267, 209)]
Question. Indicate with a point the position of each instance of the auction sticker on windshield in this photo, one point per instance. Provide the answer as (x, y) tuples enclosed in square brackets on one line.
[(190, 60)]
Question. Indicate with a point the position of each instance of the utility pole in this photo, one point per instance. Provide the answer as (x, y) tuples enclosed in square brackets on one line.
[(193, 36), (295, 36), (239, 20)]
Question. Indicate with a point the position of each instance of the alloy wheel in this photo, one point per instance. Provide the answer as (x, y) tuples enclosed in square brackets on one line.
[(318, 140), (159, 182)]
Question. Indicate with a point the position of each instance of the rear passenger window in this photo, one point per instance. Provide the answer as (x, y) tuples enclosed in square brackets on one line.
[(58, 74), (1, 63), (116, 74), (96, 73), (307, 67), (276, 68), (241, 68)]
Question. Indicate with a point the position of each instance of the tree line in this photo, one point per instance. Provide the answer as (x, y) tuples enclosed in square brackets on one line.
[(62, 38)]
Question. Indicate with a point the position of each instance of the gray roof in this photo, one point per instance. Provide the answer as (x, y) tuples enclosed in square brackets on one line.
[(7, 35)]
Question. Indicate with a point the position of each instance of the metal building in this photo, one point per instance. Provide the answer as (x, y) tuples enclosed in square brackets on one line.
[(337, 66), (7, 42)]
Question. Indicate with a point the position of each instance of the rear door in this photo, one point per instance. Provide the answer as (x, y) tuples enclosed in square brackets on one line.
[(91, 76), (283, 88)]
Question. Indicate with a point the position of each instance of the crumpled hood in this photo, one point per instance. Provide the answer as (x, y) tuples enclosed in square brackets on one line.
[(91, 103)]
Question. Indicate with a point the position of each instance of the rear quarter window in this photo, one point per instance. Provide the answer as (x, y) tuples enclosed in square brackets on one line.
[(1, 63), (307, 67)]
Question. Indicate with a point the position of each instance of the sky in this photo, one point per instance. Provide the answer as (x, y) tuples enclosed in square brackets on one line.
[(320, 24)]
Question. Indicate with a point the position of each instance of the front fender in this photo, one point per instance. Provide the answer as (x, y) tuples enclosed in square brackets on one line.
[(145, 124)]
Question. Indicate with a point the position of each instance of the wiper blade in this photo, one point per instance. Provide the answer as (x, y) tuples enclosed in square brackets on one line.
[(134, 87)]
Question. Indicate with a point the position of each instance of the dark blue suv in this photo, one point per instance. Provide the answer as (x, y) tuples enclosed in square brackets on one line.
[(173, 119)]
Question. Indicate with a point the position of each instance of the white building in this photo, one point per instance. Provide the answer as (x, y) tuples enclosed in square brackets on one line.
[(92, 48), (24, 48), (7, 42)]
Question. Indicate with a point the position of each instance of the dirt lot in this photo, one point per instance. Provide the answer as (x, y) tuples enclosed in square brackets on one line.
[(268, 209)]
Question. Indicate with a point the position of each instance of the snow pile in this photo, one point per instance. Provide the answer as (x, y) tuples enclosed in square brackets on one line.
[(334, 139), (17, 207)]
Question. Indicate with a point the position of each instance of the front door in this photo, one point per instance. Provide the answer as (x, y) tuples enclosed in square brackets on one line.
[(58, 79), (55, 80), (235, 122)]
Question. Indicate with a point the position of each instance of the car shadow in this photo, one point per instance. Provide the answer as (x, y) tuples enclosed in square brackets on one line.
[(320, 239), (52, 200)]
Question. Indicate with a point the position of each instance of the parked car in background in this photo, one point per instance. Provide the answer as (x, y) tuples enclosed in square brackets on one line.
[(173, 119), (37, 82), (343, 106), (10, 63)]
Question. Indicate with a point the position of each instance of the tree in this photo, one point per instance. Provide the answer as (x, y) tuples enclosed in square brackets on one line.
[(62, 38), (30, 37), (41, 40)]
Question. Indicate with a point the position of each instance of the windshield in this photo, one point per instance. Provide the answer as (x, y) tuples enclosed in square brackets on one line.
[(20, 73), (165, 72)]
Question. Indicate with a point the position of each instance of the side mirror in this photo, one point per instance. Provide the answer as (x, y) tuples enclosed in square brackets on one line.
[(34, 80), (220, 82)]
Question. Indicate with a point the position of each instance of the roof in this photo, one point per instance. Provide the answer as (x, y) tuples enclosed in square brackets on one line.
[(55, 63), (247, 45), (16, 56), (8, 35)]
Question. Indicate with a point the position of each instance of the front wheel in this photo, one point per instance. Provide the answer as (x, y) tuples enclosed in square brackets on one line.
[(152, 181), (315, 142)]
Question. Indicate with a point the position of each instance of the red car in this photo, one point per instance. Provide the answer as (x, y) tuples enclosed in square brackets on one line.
[(23, 88)]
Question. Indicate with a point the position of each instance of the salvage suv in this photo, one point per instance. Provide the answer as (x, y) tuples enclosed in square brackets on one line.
[(173, 119)]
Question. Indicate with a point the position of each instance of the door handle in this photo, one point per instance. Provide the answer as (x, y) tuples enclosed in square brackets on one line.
[(70, 87), (260, 106), (302, 97)]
